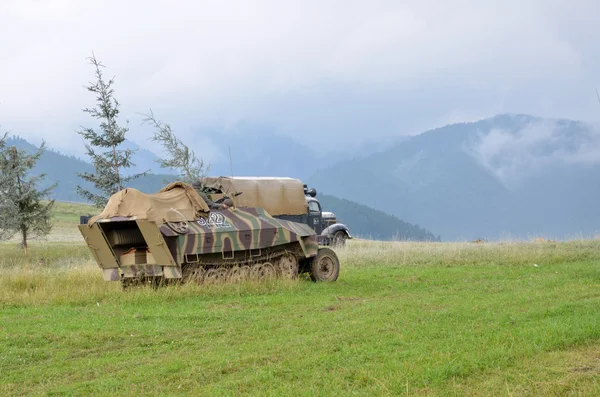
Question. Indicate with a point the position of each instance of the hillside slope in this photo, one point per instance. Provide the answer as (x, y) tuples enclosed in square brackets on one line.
[(365, 222), (507, 176), (63, 169), (361, 219)]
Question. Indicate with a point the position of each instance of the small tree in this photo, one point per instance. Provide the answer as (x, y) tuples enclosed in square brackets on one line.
[(109, 165), (179, 156), (22, 206), (8, 223)]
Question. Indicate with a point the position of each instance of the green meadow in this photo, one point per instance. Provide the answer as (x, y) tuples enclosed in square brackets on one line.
[(426, 319)]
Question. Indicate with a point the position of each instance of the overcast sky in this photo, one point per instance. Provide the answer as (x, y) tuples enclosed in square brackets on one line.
[(322, 71)]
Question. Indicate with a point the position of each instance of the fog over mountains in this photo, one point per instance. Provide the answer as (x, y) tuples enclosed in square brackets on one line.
[(508, 176), (252, 149), (329, 91), (363, 221)]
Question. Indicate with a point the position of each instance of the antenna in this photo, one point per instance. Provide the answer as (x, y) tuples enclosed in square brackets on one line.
[(230, 161)]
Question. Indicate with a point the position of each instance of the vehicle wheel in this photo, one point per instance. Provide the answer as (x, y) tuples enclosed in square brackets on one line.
[(196, 275), (215, 275), (339, 238), (288, 266), (268, 271), (245, 273), (236, 275), (325, 266), (210, 277), (256, 272)]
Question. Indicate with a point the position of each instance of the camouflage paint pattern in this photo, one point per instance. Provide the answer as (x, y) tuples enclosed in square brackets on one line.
[(223, 232), (242, 229)]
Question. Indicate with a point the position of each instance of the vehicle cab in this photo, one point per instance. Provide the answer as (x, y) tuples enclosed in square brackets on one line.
[(324, 223), (315, 215)]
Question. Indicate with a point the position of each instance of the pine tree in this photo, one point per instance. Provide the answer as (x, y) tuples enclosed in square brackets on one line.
[(111, 163), (22, 206), (179, 156)]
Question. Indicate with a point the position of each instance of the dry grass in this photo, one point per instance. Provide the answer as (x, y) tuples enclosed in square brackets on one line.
[(515, 253), (65, 218), (55, 271)]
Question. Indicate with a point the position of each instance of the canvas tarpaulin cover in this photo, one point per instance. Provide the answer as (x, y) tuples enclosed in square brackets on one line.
[(278, 196), (131, 202)]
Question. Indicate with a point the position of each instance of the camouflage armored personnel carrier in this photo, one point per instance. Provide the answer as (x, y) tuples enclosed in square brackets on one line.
[(173, 234)]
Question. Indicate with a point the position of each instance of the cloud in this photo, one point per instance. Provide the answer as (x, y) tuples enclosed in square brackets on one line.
[(533, 148), (336, 72)]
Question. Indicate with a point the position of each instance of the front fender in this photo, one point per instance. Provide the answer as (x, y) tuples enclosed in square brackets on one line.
[(336, 227)]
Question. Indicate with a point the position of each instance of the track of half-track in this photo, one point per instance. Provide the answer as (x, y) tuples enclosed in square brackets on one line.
[(277, 263)]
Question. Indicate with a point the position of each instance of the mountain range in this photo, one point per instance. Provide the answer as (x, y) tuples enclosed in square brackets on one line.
[(508, 176), (362, 220)]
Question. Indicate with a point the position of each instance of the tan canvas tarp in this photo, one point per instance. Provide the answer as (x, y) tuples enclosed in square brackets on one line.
[(278, 196), (133, 203)]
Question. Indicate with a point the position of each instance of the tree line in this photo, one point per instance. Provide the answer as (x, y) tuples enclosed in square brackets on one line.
[(25, 208)]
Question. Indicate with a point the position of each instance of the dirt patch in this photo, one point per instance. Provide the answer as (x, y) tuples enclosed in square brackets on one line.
[(587, 368), (348, 299), (412, 279)]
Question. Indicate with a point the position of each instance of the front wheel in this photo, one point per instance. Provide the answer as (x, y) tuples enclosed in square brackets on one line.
[(339, 239), (325, 266)]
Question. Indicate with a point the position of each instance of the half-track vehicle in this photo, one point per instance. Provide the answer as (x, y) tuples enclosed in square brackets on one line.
[(174, 235), (284, 198)]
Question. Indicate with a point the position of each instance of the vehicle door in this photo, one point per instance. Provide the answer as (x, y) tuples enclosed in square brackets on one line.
[(315, 217)]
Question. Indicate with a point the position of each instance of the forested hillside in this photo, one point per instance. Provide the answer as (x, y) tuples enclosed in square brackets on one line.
[(63, 169), (373, 224), (362, 220)]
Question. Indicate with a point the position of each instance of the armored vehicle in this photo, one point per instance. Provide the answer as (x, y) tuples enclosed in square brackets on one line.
[(173, 234), (283, 198)]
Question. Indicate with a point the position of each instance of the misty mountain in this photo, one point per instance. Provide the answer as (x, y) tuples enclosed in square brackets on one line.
[(508, 176), (362, 221), (258, 150), (63, 169), (144, 160)]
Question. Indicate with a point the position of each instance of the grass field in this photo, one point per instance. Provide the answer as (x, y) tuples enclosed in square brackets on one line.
[(450, 319), (65, 217)]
